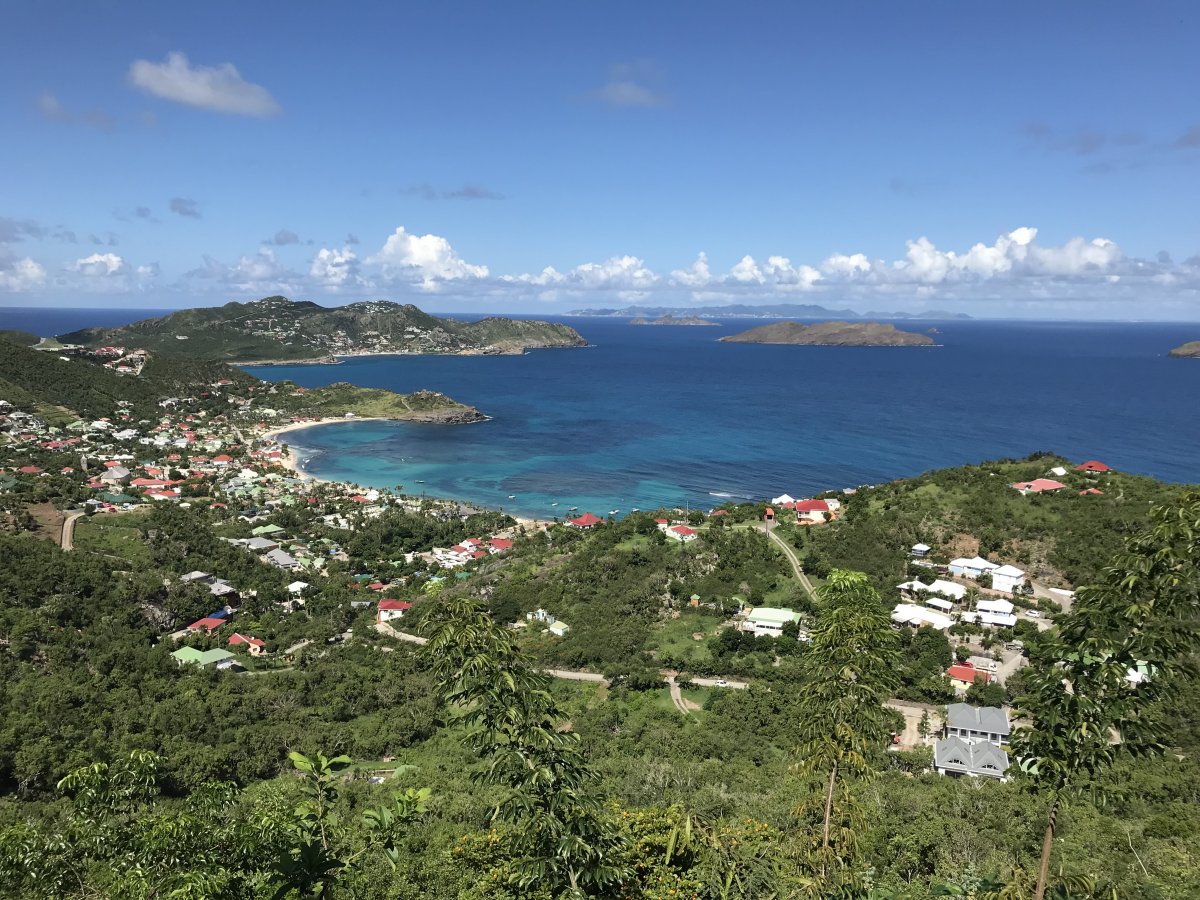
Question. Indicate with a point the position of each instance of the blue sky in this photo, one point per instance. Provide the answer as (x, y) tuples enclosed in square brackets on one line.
[(548, 156)]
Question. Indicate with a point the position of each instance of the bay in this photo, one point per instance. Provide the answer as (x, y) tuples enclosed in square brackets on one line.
[(655, 416)]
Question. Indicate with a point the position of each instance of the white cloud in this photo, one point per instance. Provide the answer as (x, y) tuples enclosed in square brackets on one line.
[(100, 265), (695, 275), (427, 260), (335, 268), (618, 273), (218, 88), (20, 275), (630, 84), (51, 108)]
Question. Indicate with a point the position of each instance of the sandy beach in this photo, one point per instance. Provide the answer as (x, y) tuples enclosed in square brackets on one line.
[(292, 463)]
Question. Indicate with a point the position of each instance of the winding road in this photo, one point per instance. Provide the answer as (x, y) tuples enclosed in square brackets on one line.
[(67, 538), (793, 559)]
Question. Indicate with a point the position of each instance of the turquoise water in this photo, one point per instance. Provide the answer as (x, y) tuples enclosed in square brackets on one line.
[(666, 416)]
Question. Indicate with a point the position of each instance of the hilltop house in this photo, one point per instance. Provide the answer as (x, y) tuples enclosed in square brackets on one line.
[(769, 621), (1007, 579), (1093, 467), (1038, 486), (256, 646), (919, 616), (587, 520), (963, 675), (392, 609), (974, 567), (203, 658), (920, 551), (974, 742), (681, 533)]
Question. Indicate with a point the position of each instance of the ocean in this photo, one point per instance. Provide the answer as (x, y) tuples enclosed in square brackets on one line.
[(654, 416)]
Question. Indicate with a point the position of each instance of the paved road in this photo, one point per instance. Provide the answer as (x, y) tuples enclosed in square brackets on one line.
[(385, 628), (295, 647), (67, 538)]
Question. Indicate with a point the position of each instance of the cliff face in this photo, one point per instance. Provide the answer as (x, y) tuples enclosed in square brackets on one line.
[(838, 334), (276, 329), (1190, 350)]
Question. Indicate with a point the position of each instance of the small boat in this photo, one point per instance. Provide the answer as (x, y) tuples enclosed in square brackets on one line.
[(512, 496), (635, 509), (419, 481), (613, 512), (573, 509), (554, 504)]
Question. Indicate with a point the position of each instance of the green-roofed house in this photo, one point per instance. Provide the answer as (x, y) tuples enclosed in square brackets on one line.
[(768, 620), (266, 530), (190, 655)]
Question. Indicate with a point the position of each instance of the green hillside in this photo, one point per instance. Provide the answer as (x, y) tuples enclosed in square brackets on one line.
[(278, 329)]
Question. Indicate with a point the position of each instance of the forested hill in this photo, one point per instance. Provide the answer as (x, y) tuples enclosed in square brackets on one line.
[(43, 382), (277, 329)]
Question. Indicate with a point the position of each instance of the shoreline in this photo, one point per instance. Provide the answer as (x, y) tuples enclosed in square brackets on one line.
[(291, 462)]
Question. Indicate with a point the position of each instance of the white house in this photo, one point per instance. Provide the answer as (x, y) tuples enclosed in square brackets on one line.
[(558, 628), (782, 499), (768, 620), (949, 588), (1007, 579), (974, 567), (681, 533), (392, 609), (916, 616), (920, 550)]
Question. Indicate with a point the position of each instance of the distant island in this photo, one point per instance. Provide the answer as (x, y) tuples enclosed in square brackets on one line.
[(1190, 350), (835, 334), (669, 319), (276, 330), (763, 311)]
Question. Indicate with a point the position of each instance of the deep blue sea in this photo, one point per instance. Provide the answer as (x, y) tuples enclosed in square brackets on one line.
[(654, 416)]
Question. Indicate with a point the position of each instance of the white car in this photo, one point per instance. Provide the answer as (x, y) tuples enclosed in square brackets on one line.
[(721, 682), (1033, 614)]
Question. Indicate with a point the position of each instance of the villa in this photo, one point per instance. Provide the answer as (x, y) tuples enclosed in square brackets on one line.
[(766, 620)]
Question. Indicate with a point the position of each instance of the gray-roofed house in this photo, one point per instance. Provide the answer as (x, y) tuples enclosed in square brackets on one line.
[(260, 544), (977, 723), (282, 559), (980, 759)]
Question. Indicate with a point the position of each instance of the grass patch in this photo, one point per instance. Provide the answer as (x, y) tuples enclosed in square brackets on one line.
[(114, 535)]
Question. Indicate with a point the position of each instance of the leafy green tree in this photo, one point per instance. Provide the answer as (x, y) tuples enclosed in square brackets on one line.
[(561, 837), (1117, 656), (850, 670)]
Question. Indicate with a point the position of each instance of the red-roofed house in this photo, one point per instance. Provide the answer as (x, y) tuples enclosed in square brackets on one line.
[(769, 515), (499, 545), (1038, 486), (392, 609), (1086, 491), (681, 533), (587, 520), (256, 646), (222, 460), (377, 586), (30, 470), (719, 512), (207, 624), (963, 675), (1093, 466), (811, 510)]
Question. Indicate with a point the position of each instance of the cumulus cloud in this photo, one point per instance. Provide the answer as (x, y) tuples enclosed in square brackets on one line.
[(252, 273), (696, 275), (100, 265), (335, 268), (630, 85), (283, 237), (20, 275), (427, 260), (182, 206), (218, 88)]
